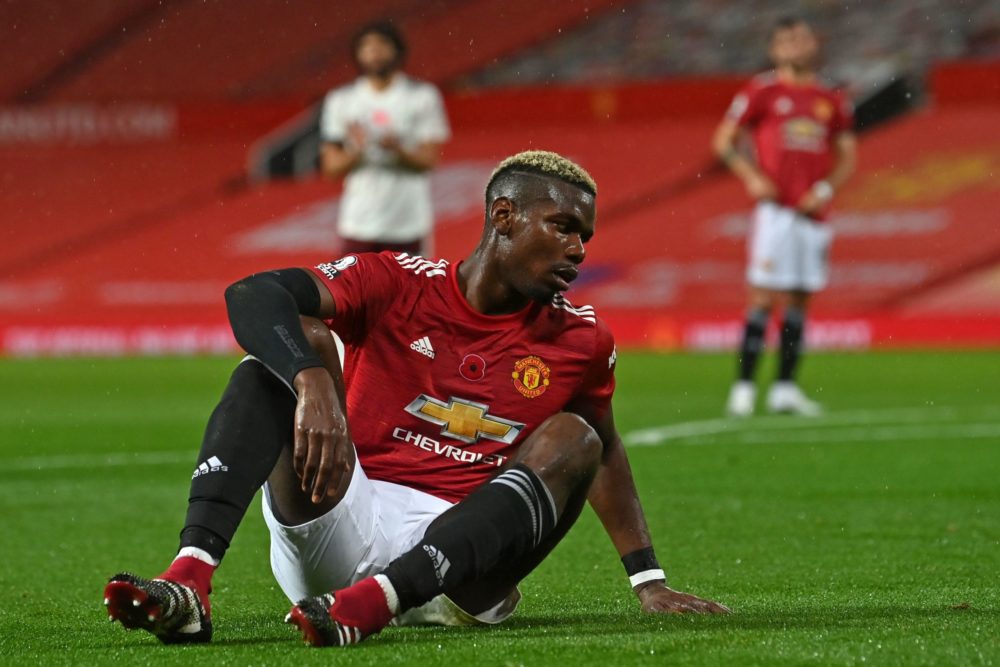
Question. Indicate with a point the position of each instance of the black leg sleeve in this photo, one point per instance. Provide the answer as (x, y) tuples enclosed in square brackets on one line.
[(243, 440), (498, 522), (792, 329), (752, 343)]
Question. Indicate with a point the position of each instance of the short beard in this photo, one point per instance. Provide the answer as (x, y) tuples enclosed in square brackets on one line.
[(384, 72)]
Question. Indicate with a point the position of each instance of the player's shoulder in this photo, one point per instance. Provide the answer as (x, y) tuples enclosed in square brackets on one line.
[(418, 87), (399, 265), (762, 81), (582, 330), (344, 90), (579, 319), (415, 266), (829, 85), (572, 313)]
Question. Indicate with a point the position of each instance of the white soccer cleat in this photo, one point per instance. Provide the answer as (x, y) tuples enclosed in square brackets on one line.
[(742, 398), (786, 397)]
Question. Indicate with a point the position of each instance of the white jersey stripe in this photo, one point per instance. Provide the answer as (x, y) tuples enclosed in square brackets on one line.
[(585, 312), (422, 266)]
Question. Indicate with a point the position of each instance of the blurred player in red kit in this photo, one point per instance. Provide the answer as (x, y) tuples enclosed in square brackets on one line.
[(804, 151), (470, 423)]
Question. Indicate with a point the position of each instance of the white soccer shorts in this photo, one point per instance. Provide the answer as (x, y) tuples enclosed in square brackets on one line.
[(788, 251), (375, 523)]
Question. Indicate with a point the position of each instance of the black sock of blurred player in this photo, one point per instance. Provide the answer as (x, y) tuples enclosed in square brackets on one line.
[(244, 437), (753, 342), (791, 343), (497, 523)]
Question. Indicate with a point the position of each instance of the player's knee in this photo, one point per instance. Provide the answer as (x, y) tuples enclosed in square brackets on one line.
[(575, 439), (252, 387)]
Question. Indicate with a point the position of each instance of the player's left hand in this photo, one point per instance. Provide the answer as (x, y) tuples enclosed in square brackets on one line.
[(657, 598), (391, 142)]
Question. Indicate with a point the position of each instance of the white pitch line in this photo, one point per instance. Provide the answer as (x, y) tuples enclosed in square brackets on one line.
[(866, 434), (63, 462), (767, 426)]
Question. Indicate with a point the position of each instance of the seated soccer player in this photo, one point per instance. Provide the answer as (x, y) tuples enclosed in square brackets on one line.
[(470, 423)]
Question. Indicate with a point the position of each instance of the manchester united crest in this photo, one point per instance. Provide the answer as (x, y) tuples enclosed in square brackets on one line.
[(531, 376), (822, 110)]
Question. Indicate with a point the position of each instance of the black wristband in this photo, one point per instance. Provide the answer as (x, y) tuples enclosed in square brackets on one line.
[(640, 560)]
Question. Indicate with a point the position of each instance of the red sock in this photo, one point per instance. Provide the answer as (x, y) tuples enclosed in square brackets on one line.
[(190, 571), (362, 606)]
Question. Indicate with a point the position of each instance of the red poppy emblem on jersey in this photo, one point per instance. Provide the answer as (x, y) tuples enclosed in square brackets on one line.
[(473, 367), (531, 376)]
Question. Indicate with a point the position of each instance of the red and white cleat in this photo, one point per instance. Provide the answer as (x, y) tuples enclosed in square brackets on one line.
[(344, 617), (173, 612)]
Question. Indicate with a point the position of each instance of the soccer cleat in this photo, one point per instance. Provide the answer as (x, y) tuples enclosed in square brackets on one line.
[(312, 616), (175, 613), (786, 397), (742, 398), (343, 617)]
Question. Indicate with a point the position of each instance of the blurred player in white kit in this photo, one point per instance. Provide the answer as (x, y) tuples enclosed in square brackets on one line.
[(382, 133)]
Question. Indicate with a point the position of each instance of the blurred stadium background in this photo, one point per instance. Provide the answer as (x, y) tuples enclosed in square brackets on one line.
[(153, 151)]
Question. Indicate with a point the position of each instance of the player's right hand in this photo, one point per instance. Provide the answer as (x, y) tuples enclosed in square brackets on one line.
[(322, 449), (760, 187)]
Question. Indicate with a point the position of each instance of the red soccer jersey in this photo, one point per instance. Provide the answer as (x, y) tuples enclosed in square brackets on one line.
[(439, 396), (793, 129)]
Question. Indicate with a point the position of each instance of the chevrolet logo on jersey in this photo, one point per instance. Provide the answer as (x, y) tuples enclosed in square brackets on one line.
[(464, 420)]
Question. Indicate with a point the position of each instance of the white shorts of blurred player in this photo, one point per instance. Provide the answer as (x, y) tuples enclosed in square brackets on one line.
[(375, 523), (788, 251)]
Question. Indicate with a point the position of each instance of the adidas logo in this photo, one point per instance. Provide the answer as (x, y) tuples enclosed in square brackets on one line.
[(440, 561), (213, 464), (423, 346)]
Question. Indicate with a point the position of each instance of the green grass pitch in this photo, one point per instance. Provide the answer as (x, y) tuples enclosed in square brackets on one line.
[(870, 535)]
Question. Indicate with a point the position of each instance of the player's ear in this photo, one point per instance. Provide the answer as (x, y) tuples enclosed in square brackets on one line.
[(502, 215)]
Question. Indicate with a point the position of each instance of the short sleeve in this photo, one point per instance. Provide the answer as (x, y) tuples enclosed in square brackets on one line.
[(593, 399), (432, 122), (843, 118), (744, 110), (364, 287), (333, 118)]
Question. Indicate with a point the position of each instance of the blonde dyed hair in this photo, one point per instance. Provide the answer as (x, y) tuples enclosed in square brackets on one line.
[(546, 163)]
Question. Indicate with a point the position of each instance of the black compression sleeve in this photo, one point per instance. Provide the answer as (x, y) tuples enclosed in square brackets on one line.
[(264, 314)]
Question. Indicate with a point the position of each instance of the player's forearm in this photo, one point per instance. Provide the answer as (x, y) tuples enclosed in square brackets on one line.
[(264, 316), (321, 340), (844, 165), (742, 167), (724, 147), (615, 500), (336, 162), (420, 158)]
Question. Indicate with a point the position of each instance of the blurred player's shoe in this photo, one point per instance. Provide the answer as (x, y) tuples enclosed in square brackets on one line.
[(786, 397), (343, 617), (175, 612), (742, 398)]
